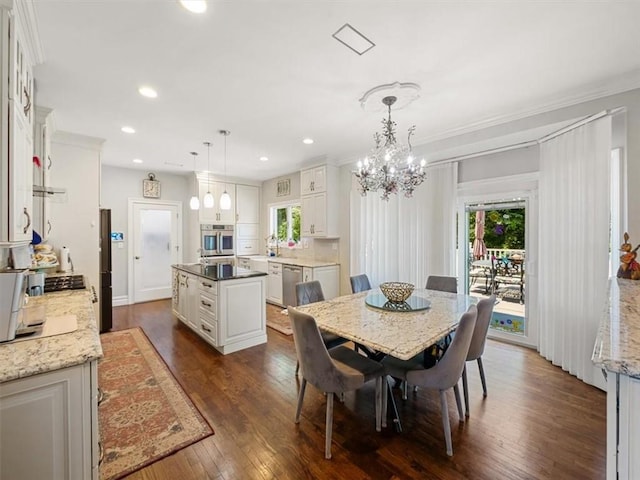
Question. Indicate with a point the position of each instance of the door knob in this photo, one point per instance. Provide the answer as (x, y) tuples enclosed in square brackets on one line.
[(137, 257)]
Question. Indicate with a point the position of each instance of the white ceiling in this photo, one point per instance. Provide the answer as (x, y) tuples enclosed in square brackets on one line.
[(270, 72)]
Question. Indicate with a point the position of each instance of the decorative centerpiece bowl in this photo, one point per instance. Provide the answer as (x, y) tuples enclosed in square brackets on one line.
[(397, 292)]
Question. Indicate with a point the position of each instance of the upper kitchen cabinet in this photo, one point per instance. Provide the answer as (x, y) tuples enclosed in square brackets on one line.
[(247, 204), (42, 190), (320, 206), (216, 215), (20, 51), (313, 180)]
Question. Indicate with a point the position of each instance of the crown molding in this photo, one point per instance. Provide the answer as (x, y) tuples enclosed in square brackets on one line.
[(76, 140), (29, 25)]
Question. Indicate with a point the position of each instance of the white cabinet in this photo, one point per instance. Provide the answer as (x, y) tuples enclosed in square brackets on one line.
[(16, 131), (230, 315), (274, 283), (313, 180), (41, 174), (319, 201), (329, 278), (184, 305), (623, 427), (49, 425), (243, 262), (247, 204), (216, 215)]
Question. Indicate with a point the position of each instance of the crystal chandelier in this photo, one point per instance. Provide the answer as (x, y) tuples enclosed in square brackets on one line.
[(390, 167)]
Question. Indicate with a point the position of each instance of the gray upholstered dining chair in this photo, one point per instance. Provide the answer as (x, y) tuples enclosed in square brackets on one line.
[(336, 371), (445, 374), (311, 292), (360, 283), (444, 284), (476, 348)]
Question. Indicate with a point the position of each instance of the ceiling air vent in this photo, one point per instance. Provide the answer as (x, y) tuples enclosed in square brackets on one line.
[(353, 39)]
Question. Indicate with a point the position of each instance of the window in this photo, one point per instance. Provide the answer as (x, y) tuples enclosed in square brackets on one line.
[(285, 223)]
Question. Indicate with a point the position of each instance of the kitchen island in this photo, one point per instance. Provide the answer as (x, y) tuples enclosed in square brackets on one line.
[(617, 352), (49, 396), (224, 305)]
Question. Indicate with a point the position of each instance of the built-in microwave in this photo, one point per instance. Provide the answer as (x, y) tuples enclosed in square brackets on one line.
[(216, 240)]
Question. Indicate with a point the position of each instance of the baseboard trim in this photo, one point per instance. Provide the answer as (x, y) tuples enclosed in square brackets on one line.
[(120, 301)]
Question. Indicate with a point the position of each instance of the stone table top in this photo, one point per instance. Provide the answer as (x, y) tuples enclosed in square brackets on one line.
[(399, 334), (40, 355), (617, 346)]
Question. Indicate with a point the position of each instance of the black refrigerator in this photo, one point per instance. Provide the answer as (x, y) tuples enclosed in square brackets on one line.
[(106, 302)]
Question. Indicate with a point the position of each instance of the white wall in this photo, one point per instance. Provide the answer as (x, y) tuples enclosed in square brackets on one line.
[(75, 216), (118, 185)]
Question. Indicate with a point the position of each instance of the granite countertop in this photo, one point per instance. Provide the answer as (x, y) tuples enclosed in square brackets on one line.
[(617, 346), (299, 262), (213, 272), (40, 355), (400, 334)]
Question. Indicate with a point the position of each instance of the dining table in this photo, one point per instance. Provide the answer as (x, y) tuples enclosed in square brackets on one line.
[(384, 328)]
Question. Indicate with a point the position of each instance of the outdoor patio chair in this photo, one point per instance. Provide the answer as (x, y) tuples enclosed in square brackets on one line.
[(335, 371), (476, 348), (445, 374), (311, 292)]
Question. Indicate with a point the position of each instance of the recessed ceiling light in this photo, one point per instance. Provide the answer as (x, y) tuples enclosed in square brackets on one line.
[(264, 159), (195, 6), (128, 129), (137, 160), (307, 141), (148, 92)]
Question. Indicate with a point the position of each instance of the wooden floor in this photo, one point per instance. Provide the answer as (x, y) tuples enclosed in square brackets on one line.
[(538, 422)]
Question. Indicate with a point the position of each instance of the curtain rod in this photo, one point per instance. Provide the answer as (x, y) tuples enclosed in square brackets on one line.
[(530, 143)]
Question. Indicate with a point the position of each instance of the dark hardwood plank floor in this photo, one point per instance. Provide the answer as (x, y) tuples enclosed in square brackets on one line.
[(537, 422)]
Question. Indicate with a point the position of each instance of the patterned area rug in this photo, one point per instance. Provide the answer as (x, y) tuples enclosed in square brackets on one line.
[(279, 322), (144, 414)]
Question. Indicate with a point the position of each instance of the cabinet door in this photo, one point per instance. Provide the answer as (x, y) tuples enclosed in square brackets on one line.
[(50, 414), (329, 278), (215, 214), (274, 281), (193, 302), (20, 176), (307, 274), (313, 180), (248, 246), (247, 204), (314, 215)]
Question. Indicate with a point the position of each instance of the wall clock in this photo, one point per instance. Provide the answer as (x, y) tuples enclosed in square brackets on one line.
[(151, 187)]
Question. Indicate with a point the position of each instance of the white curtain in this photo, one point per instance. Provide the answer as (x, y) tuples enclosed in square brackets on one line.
[(574, 245), (406, 239)]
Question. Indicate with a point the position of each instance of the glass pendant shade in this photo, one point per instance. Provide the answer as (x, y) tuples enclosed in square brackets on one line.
[(208, 201), (225, 198), (225, 201), (194, 203)]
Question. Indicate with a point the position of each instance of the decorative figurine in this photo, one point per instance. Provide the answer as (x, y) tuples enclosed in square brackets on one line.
[(629, 268)]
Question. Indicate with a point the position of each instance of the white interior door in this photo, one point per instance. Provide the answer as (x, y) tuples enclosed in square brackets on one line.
[(156, 246)]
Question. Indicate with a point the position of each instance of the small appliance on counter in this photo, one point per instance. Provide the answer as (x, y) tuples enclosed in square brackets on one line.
[(35, 284), (12, 295)]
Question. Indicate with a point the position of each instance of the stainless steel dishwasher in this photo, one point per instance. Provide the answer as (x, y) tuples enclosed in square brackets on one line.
[(290, 276)]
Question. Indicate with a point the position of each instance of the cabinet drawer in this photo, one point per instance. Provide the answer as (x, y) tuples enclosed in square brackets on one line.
[(247, 230), (275, 268), (248, 246), (207, 304), (209, 330), (208, 286), (244, 263)]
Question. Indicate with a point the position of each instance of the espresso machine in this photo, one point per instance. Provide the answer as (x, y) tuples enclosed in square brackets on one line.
[(13, 284)]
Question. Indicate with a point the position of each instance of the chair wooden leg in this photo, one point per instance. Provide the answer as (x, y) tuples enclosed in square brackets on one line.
[(456, 392), (328, 426), (445, 421), (303, 386), (484, 382), (378, 404), (465, 389)]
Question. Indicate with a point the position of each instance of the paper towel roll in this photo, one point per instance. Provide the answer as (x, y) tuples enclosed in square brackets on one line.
[(64, 260)]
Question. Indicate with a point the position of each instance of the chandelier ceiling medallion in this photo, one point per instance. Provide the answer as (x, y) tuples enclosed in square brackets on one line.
[(390, 167)]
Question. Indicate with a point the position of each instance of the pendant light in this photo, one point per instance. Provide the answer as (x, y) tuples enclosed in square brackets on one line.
[(208, 198), (225, 198), (194, 203)]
